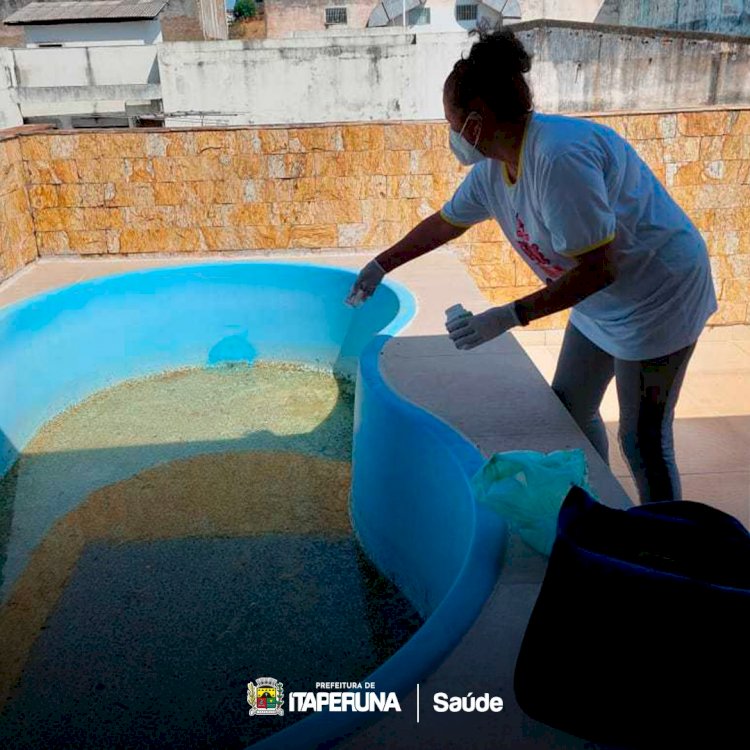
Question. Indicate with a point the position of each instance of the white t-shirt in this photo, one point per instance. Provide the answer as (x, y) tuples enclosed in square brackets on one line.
[(579, 186)]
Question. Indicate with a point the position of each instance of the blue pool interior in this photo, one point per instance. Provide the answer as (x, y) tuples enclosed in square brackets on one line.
[(92, 335), (412, 509)]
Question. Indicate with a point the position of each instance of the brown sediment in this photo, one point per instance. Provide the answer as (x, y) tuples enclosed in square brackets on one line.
[(213, 495)]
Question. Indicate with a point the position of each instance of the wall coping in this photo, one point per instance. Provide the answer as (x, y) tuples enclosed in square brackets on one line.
[(413, 37), (603, 28), (9, 133), (42, 129)]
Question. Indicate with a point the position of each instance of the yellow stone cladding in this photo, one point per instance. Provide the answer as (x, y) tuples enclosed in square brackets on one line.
[(17, 239), (335, 187)]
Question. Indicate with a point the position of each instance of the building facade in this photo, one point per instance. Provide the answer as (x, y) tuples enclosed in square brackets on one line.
[(289, 18), (90, 63), (181, 20), (89, 23), (713, 16), (285, 18)]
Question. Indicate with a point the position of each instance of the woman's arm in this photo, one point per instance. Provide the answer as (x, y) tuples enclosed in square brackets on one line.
[(594, 271), (428, 235)]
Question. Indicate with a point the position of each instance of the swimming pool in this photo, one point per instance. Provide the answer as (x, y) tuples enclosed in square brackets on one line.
[(411, 505)]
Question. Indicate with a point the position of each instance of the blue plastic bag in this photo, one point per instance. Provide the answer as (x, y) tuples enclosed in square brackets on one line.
[(528, 488)]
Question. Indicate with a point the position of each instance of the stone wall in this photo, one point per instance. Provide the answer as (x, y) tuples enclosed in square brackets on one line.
[(17, 241), (703, 158), (352, 188)]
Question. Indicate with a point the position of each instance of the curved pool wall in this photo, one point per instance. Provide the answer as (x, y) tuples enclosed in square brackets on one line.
[(414, 512), (412, 506)]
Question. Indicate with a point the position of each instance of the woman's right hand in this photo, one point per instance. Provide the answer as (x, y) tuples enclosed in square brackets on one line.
[(366, 284)]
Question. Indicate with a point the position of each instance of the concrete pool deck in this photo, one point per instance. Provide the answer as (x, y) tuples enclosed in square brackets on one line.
[(498, 398)]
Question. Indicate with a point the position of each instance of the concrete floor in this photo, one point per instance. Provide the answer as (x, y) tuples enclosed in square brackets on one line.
[(500, 400), (153, 642), (712, 426)]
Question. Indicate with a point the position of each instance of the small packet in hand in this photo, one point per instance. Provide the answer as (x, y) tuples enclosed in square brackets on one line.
[(355, 299)]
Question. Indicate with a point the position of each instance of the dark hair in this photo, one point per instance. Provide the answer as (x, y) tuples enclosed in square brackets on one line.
[(493, 72)]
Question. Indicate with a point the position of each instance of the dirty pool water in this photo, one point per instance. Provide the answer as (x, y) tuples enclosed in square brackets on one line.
[(171, 539)]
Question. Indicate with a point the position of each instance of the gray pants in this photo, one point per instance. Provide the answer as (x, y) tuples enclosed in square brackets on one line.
[(647, 391)]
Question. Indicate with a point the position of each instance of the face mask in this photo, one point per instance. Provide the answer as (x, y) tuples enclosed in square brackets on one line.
[(466, 153)]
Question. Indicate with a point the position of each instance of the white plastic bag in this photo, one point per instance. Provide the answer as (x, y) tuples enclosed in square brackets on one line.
[(528, 488)]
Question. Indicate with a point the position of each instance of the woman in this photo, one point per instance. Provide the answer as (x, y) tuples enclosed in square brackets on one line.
[(594, 223)]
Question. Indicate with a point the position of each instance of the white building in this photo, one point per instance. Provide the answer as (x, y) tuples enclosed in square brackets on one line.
[(88, 63), (90, 23)]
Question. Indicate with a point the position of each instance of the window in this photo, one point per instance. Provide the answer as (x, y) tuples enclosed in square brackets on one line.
[(418, 17), (335, 16), (466, 12)]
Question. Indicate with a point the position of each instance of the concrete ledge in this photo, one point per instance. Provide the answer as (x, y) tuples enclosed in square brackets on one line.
[(498, 399), (617, 30), (56, 94)]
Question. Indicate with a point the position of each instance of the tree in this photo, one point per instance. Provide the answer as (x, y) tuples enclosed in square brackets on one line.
[(245, 9)]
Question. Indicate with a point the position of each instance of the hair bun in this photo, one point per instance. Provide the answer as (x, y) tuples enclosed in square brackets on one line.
[(499, 49), (493, 73)]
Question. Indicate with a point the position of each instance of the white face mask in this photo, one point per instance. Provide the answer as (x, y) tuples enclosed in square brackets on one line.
[(466, 153)]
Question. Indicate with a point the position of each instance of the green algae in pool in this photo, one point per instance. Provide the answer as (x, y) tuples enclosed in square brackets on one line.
[(171, 539)]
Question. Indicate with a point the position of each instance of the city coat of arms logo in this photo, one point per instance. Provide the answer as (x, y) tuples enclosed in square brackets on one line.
[(265, 697)]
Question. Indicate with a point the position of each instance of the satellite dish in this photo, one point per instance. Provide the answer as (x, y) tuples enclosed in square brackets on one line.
[(387, 11)]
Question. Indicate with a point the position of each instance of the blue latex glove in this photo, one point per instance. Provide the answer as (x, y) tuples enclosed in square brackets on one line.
[(472, 331), (366, 284)]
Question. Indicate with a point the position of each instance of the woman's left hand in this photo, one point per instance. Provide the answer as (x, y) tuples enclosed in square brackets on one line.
[(366, 283), (471, 331)]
